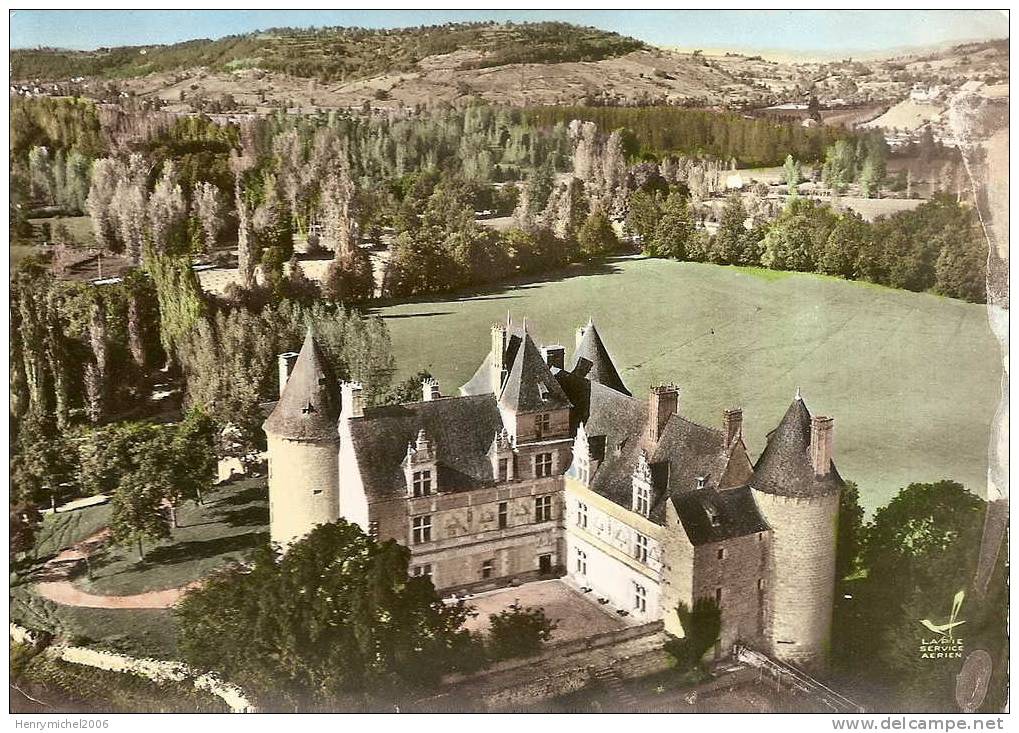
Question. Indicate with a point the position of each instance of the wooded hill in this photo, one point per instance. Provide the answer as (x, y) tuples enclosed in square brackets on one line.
[(335, 53)]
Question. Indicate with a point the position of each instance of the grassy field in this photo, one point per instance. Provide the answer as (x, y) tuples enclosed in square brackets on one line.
[(911, 379), (233, 520)]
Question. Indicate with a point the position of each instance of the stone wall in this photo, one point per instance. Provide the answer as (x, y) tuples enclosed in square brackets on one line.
[(156, 670), (801, 582), (739, 574), (466, 532), (677, 578), (303, 487)]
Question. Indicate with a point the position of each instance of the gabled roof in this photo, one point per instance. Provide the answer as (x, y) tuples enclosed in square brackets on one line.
[(709, 516), (461, 430), (591, 360), (530, 386), (685, 452), (310, 405), (784, 467)]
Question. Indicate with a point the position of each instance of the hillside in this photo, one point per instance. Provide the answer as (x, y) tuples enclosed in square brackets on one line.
[(515, 64), (334, 54)]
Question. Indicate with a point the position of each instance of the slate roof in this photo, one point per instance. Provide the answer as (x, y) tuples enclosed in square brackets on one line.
[(530, 386), (784, 467), (617, 426), (460, 428), (480, 382), (591, 361), (710, 515), (310, 404)]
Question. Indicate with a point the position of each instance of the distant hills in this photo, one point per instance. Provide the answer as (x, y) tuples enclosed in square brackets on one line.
[(505, 63), (335, 54)]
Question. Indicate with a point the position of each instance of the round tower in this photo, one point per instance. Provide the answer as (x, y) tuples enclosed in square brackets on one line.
[(303, 444), (797, 487)]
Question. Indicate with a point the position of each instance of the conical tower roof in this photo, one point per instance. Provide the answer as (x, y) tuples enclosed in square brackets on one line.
[(592, 351), (784, 467), (309, 407), (530, 386)]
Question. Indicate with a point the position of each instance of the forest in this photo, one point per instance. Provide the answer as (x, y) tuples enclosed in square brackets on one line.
[(162, 192)]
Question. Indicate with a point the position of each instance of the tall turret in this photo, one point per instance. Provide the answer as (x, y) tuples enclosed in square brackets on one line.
[(797, 487), (303, 448)]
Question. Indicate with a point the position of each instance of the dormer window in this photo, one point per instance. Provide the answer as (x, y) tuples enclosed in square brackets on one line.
[(642, 500), (713, 515), (642, 485), (542, 423), (420, 467), (543, 391), (701, 481), (421, 484)]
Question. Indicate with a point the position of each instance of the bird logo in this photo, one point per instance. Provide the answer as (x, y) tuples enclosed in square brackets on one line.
[(949, 627)]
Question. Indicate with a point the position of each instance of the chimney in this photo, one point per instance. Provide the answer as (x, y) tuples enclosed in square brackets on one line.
[(732, 425), (430, 389), (555, 356), (497, 357), (286, 362), (663, 403), (821, 435), (352, 400)]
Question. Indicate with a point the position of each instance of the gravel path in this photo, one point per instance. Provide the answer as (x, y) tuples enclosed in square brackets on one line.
[(56, 587)]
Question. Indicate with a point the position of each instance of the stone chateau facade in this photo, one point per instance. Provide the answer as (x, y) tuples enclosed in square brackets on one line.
[(539, 469)]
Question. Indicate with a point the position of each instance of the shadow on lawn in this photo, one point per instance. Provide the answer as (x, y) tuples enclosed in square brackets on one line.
[(252, 516), (187, 551), (500, 291), (258, 492)]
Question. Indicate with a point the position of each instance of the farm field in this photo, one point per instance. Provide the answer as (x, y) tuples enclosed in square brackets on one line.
[(911, 379)]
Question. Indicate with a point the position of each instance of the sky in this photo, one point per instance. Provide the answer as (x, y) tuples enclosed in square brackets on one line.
[(824, 32)]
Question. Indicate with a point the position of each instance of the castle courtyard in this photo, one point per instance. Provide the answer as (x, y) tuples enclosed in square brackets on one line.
[(577, 615)]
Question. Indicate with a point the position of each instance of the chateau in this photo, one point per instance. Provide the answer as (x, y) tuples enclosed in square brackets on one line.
[(542, 468)]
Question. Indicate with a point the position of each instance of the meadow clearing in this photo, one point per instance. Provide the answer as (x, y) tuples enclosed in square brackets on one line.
[(912, 379)]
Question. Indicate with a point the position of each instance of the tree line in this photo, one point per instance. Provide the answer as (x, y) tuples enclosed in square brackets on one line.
[(937, 247)]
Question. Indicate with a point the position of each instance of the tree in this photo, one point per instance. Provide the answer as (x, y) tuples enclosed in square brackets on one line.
[(518, 632), (208, 207), (409, 390), (167, 213), (642, 215), (137, 502), (194, 452), (733, 245), (597, 237), (839, 169), (850, 531), (181, 300), (792, 173), (701, 627), (25, 521), (848, 243), (674, 230), (43, 461), (333, 622)]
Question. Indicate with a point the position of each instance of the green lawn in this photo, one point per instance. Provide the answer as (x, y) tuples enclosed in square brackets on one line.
[(911, 379), (64, 529), (233, 520), (79, 227), (142, 633)]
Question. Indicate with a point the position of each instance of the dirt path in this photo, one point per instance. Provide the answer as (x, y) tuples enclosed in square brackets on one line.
[(55, 586)]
